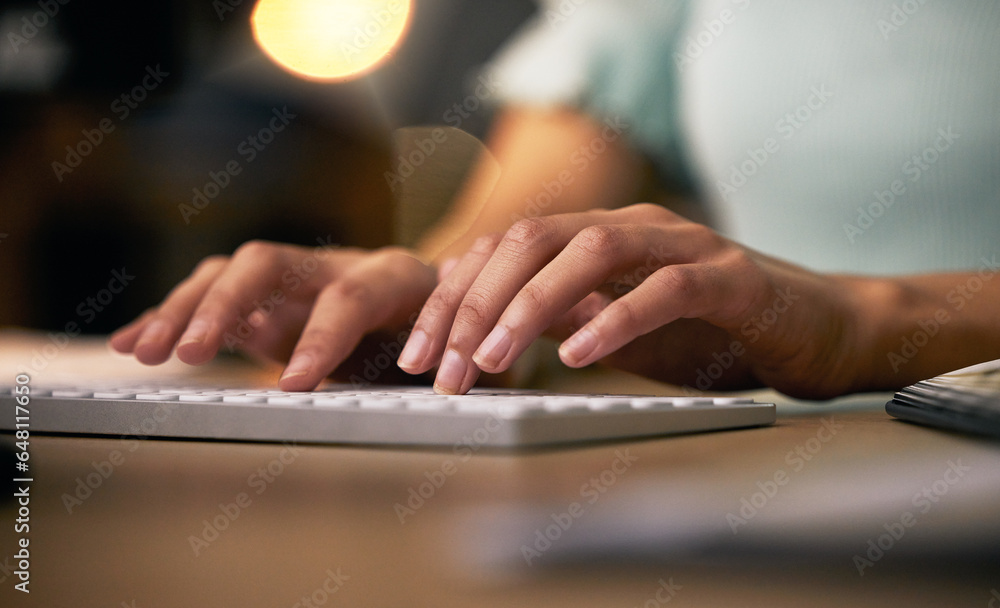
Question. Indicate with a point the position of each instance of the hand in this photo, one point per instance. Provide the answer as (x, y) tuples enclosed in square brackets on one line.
[(309, 306), (644, 289)]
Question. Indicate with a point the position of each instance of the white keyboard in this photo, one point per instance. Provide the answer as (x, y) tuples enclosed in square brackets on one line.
[(343, 414)]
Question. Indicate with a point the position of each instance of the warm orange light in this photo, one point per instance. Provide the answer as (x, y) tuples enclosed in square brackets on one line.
[(329, 39)]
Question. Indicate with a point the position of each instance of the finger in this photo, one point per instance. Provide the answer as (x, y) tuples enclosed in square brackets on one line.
[(374, 294), (595, 256), (671, 293), (572, 320), (162, 327), (123, 339), (425, 345), (446, 267), (473, 308), (272, 336), (599, 254), (252, 274)]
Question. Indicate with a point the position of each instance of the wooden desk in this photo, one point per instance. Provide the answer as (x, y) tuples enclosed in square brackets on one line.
[(326, 516)]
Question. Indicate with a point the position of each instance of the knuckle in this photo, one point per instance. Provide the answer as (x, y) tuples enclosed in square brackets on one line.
[(265, 258), (740, 263), (710, 239), (442, 299), (627, 318), (211, 263), (474, 309), (680, 281), (655, 211), (486, 244), (398, 258), (254, 249), (533, 296), (602, 240), (222, 302), (396, 254), (530, 233), (351, 289)]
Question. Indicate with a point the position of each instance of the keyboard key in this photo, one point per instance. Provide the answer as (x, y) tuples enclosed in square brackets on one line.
[(335, 402), (201, 397), (72, 393), (732, 401), (383, 404), (289, 400), (156, 397), (244, 399), (113, 395), (653, 403)]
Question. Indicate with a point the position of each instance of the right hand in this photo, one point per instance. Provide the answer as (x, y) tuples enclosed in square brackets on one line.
[(308, 306)]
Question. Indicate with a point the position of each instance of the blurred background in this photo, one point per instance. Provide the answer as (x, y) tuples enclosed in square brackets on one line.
[(118, 120)]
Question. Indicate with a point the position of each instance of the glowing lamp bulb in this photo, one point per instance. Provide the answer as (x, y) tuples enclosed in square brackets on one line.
[(329, 39)]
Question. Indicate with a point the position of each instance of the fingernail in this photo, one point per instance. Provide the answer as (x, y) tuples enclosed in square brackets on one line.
[(415, 350), (196, 332), (578, 347), (452, 372), (298, 366), (157, 331), (494, 348)]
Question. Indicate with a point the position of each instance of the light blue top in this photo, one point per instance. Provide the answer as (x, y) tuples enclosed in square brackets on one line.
[(849, 135)]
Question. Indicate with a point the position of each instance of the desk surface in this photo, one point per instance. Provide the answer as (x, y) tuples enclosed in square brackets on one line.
[(320, 525)]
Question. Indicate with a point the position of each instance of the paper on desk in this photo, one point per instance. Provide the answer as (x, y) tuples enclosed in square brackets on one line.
[(54, 357), (833, 512)]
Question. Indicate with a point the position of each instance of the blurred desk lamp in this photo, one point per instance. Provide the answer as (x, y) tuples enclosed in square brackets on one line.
[(329, 40)]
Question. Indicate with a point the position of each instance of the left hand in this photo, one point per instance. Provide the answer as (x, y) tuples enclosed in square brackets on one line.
[(646, 290)]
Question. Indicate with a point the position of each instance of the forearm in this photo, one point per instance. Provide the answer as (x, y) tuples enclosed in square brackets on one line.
[(917, 327), (548, 162)]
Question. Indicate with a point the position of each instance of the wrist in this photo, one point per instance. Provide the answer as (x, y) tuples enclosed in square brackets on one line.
[(887, 311)]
